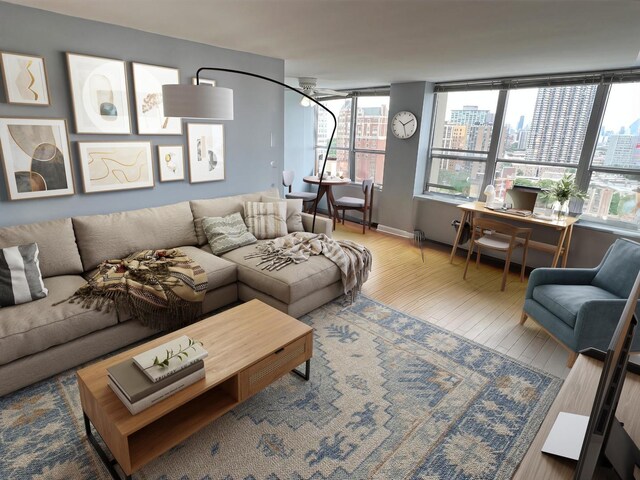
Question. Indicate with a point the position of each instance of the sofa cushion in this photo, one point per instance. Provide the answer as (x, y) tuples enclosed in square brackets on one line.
[(219, 272), (289, 284), (103, 237), (564, 301), (221, 207), (620, 268), (20, 277), (33, 327), (294, 212), (266, 220), (226, 233), (56, 242)]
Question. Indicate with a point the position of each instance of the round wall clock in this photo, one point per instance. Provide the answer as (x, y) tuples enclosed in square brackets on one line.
[(404, 124)]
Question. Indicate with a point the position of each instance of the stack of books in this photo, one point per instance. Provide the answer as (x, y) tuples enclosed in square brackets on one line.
[(152, 376)]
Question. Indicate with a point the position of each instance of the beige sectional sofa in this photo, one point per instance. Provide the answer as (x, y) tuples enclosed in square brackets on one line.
[(39, 339)]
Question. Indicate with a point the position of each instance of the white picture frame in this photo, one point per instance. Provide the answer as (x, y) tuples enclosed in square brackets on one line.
[(111, 166), (36, 157), (99, 95), (25, 79), (171, 162), (147, 85), (206, 152)]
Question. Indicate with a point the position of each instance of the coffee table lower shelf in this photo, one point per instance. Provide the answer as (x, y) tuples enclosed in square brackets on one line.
[(171, 429)]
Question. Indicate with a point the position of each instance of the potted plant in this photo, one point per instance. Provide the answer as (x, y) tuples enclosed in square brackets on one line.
[(561, 192)]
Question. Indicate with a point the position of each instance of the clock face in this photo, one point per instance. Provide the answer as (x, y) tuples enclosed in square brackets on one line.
[(404, 124)]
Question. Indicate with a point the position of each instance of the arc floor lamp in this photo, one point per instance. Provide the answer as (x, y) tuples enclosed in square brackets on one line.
[(216, 103)]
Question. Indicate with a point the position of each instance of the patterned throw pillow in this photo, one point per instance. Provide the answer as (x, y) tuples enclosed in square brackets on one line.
[(266, 220), (20, 277), (226, 233), (294, 211)]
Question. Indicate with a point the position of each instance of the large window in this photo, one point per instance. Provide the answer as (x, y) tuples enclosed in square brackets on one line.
[(358, 149), (461, 140), (543, 135), (545, 132), (614, 186)]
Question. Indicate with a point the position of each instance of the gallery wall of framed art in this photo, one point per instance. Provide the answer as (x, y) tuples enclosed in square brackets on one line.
[(97, 84)]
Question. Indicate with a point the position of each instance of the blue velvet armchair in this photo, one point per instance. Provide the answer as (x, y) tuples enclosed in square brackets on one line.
[(580, 307)]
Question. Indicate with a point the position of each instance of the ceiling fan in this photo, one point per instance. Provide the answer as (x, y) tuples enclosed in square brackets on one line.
[(308, 86)]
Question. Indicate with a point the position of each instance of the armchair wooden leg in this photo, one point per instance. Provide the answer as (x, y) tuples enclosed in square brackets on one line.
[(364, 221), (478, 257), (507, 262), (573, 356), (523, 317)]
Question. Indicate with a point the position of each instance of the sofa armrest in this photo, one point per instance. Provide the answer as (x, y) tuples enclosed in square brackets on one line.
[(559, 276), (323, 225), (596, 321)]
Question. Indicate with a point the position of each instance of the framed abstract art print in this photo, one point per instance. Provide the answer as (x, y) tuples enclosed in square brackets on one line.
[(147, 84), (36, 157), (99, 94), (25, 79)]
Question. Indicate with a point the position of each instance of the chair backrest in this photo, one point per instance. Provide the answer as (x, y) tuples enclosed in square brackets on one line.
[(498, 227), (367, 189), (287, 178), (619, 268)]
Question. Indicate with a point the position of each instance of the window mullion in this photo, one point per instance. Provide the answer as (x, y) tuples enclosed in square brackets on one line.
[(352, 139), (583, 173), (496, 134)]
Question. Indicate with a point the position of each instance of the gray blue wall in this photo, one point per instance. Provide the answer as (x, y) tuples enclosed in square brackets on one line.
[(253, 140), (299, 138)]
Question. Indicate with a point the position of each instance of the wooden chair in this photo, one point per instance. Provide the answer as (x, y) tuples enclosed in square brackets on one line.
[(308, 198), (360, 204), (499, 236)]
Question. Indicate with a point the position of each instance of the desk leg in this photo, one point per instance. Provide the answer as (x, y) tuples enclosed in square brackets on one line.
[(565, 257), (458, 235), (556, 257)]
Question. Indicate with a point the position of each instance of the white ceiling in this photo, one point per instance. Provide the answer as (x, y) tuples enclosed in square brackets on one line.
[(356, 43)]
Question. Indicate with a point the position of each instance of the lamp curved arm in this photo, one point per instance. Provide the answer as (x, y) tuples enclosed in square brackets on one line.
[(267, 79)]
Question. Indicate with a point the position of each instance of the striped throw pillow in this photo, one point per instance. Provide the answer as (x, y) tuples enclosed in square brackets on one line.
[(266, 220), (226, 233), (20, 278)]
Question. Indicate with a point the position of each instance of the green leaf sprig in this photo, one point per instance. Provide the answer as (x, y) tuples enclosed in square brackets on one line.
[(181, 354)]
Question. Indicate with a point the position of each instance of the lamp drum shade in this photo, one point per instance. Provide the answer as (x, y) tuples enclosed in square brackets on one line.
[(198, 101)]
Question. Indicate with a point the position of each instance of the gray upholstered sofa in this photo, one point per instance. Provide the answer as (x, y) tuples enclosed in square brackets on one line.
[(39, 339)]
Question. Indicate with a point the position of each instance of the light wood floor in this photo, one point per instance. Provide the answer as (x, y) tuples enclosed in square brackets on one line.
[(435, 291)]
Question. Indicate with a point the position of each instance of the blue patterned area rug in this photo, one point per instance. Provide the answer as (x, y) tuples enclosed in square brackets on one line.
[(390, 397)]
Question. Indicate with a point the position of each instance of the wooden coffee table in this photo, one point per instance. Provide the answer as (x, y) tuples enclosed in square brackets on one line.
[(250, 346)]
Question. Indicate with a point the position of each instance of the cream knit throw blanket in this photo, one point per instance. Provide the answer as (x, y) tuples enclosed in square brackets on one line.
[(353, 260)]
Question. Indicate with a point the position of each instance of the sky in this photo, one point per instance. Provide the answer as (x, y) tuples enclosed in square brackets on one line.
[(623, 106)]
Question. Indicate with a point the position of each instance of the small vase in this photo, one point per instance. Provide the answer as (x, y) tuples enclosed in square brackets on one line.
[(560, 209)]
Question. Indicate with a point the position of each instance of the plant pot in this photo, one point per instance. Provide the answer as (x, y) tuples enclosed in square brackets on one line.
[(560, 210)]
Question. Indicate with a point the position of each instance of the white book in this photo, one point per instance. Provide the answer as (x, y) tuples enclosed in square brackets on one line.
[(157, 372), (158, 396)]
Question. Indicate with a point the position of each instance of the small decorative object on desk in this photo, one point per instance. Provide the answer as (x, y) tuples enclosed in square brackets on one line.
[(564, 190), (167, 359)]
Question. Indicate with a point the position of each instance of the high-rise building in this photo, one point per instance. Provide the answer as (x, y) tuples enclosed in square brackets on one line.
[(520, 123), (470, 115), (623, 151), (559, 123)]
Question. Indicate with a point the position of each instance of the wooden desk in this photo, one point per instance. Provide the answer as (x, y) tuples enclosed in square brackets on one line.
[(564, 227), (326, 187), (576, 396)]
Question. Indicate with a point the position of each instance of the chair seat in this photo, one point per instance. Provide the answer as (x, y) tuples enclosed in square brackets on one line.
[(565, 301), (498, 242), (350, 202), (305, 196)]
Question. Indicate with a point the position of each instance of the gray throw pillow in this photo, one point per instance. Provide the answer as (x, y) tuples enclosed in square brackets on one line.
[(226, 233), (266, 220), (20, 277), (294, 212)]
